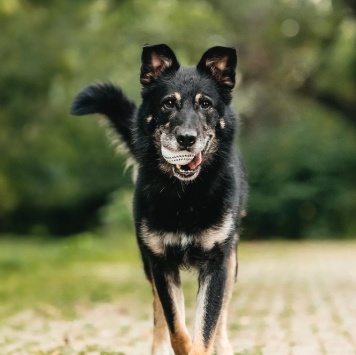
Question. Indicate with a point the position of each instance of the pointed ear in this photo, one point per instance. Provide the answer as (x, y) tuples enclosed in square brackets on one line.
[(156, 60), (220, 62)]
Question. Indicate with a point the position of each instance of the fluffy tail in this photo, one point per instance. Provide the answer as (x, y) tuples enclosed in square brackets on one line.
[(110, 101)]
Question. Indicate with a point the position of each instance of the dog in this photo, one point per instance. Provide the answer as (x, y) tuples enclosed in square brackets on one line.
[(190, 188)]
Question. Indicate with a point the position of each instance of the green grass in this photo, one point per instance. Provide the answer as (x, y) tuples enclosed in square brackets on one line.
[(53, 276)]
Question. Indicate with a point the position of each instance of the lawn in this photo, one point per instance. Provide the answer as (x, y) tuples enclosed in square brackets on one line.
[(88, 295)]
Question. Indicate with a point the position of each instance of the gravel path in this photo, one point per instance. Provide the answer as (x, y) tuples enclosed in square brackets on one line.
[(290, 299)]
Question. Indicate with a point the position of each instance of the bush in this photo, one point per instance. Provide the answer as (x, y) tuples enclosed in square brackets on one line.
[(302, 176), (116, 216)]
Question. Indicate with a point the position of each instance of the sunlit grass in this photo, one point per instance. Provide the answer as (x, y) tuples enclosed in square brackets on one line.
[(56, 276), (51, 275)]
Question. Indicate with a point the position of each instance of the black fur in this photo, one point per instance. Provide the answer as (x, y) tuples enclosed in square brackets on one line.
[(174, 207), (110, 101)]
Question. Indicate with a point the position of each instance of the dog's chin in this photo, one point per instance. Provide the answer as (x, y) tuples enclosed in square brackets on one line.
[(184, 173)]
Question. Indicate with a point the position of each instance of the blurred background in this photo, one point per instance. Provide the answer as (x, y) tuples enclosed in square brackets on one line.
[(296, 96)]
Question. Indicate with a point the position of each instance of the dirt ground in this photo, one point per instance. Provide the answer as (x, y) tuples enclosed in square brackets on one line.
[(297, 299)]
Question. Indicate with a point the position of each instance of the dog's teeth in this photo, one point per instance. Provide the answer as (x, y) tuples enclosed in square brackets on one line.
[(178, 166)]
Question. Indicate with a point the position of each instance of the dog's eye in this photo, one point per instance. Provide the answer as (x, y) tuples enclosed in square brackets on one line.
[(168, 103), (205, 104)]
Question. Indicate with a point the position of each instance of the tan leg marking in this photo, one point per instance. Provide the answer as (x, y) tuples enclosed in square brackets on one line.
[(219, 336), (180, 345), (180, 339), (200, 351), (161, 340), (198, 347), (222, 344)]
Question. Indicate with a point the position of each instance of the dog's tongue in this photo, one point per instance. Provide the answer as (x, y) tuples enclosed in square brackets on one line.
[(195, 162)]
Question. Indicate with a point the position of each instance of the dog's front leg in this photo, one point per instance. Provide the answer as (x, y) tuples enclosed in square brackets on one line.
[(161, 340), (212, 283), (222, 344), (168, 287)]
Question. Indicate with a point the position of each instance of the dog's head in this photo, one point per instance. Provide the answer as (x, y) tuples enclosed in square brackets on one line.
[(186, 108)]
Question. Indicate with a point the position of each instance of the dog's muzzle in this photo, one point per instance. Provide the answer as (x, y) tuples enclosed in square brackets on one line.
[(186, 165)]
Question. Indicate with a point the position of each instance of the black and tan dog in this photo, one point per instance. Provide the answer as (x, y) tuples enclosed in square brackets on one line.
[(187, 212)]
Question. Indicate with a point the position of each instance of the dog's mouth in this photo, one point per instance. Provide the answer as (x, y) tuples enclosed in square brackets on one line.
[(185, 164), (188, 171)]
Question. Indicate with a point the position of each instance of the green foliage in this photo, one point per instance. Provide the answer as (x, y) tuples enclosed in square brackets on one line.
[(297, 88), (297, 101), (302, 176), (116, 216), (57, 170)]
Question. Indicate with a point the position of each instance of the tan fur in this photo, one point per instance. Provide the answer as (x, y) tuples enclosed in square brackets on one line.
[(220, 63), (200, 350), (218, 67), (178, 97), (180, 344), (222, 344), (215, 235), (198, 347), (158, 65), (219, 336), (218, 234), (161, 339), (120, 148), (197, 98), (152, 239), (180, 340)]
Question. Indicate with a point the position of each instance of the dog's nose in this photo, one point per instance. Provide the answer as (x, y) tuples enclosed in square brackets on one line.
[(187, 137)]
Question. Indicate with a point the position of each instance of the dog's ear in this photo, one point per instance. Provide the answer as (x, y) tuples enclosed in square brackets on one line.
[(220, 62), (156, 60)]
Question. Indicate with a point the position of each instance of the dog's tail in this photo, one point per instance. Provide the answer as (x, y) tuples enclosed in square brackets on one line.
[(111, 102)]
